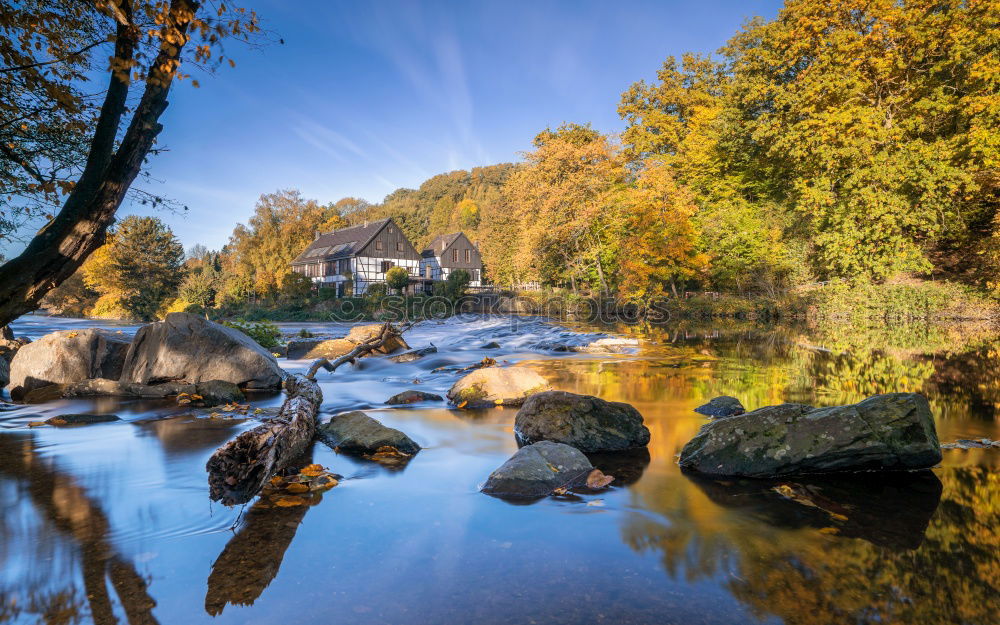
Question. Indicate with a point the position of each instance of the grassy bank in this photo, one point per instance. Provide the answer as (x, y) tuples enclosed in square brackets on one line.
[(903, 301)]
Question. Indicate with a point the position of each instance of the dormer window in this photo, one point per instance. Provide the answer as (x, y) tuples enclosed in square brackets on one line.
[(454, 256), (468, 255)]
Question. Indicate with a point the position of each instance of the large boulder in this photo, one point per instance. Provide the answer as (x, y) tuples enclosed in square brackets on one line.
[(490, 386), (356, 432), (537, 470), (894, 431), (188, 348), (588, 423), (66, 357), (211, 392)]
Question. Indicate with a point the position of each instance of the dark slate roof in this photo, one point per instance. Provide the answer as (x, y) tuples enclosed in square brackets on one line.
[(342, 243), (440, 243)]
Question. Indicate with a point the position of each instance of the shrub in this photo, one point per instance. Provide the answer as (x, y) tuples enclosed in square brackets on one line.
[(397, 278), (265, 333)]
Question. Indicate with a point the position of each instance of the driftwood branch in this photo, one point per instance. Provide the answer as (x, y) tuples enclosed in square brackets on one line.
[(240, 468), (388, 331)]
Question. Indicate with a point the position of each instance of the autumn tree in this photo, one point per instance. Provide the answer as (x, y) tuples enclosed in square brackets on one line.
[(137, 271), (660, 247), (560, 197), (67, 155), (283, 224), (876, 124)]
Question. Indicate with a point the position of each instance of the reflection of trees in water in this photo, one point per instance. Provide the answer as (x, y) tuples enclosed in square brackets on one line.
[(777, 561), (66, 506)]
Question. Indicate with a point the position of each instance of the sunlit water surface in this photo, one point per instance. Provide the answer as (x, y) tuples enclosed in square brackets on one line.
[(112, 522)]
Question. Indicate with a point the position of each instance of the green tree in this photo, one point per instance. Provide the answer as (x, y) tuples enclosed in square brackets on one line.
[(397, 278), (139, 269)]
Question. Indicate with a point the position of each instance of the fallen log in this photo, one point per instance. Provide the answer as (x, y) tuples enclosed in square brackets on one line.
[(388, 332), (240, 468)]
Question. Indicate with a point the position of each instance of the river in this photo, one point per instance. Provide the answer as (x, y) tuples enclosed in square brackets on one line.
[(112, 523)]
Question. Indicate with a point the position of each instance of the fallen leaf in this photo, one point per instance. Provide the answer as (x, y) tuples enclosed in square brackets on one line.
[(560, 491), (57, 421), (296, 487), (837, 517), (463, 404), (288, 501), (596, 479), (196, 397), (499, 402), (36, 424), (313, 470), (829, 530), (277, 479), (72, 335)]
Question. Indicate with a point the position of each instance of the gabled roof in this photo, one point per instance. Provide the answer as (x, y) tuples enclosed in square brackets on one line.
[(440, 243), (342, 243)]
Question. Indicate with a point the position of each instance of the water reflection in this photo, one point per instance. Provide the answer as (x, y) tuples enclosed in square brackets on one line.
[(61, 502), (113, 521), (888, 510)]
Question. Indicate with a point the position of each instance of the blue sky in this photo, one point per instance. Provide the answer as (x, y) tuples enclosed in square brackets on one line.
[(364, 98)]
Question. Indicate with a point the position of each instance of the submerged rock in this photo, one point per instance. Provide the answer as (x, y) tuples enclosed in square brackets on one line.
[(491, 386), (723, 406), (894, 431), (415, 354), (412, 397), (537, 470), (188, 348), (66, 357), (81, 419), (491, 345), (356, 432), (588, 423)]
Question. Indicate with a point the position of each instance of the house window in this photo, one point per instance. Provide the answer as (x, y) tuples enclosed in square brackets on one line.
[(454, 256), (386, 265), (428, 269), (468, 256), (378, 244), (399, 246)]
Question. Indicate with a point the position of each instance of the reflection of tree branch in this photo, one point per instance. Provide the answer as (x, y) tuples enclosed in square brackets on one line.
[(67, 506), (252, 558)]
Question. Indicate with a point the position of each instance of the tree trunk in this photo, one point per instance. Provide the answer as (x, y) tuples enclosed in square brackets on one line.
[(240, 468), (63, 244)]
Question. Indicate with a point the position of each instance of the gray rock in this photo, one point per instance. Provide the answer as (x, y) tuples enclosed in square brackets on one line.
[(356, 432), (66, 357), (491, 345), (412, 397), (415, 354), (81, 419), (722, 406), (537, 470), (588, 423), (215, 392), (491, 386), (894, 431), (188, 348)]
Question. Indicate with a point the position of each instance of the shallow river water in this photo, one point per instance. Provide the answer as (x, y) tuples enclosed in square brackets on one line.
[(112, 523)]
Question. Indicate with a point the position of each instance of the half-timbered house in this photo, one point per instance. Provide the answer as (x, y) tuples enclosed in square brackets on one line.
[(359, 255), (449, 252)]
